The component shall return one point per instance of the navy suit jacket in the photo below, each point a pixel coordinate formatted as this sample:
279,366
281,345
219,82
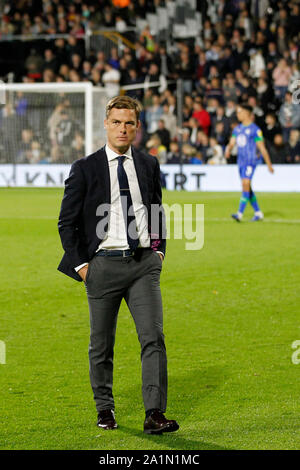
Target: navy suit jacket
86,188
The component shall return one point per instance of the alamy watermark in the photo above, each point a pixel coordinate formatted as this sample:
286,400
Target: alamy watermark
2,352
187,222
296,354
295,90
2,93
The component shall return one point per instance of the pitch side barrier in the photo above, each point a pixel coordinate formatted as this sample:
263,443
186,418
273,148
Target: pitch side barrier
286,178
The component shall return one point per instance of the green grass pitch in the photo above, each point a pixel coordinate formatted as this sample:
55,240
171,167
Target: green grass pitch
231,314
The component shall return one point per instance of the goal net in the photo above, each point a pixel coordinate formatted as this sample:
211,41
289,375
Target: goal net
54,123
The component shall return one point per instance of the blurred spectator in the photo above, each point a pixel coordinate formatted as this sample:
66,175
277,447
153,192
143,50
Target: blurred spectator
193,125
173,156
169,120
289,116
77,145
201,115
257,63
50,60
25,146
215,153
163,134
219,117
294,147
34,65
279,151
156,148
36,154
153,115
281,76
111,81
197,158
10,128
270,128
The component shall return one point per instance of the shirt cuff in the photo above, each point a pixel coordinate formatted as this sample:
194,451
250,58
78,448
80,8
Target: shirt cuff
80,266
161,253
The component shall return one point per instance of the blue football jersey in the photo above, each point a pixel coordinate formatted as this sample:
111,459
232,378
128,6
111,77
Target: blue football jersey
246,138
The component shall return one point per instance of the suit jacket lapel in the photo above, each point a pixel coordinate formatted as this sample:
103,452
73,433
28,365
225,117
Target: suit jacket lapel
141,174
102,173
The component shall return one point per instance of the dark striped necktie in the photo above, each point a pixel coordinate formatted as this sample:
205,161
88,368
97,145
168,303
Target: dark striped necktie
127,206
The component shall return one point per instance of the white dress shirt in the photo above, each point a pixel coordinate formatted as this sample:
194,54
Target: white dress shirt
116,236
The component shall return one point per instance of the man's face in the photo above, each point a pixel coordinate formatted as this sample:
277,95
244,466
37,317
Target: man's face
121,128
242,114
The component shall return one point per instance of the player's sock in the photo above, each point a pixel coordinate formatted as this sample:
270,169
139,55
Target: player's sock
254,202
243,201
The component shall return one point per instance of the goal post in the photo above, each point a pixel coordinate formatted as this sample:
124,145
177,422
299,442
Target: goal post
50,122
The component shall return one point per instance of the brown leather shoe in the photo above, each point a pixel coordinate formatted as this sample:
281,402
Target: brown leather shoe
157,423
106,420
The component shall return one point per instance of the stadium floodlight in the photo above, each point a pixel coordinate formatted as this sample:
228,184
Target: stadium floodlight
51,122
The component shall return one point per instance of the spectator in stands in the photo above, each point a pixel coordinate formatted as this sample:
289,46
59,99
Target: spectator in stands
220,117
50,60
202,145
114,58
289,116
111,81
184,69
173,157
76,63
21,103
152,76
281,40
215,153
60,51
279,151
169,120
294,147
265,94
196,158
65,134
220,134
34,65
153,115
231,92
201,115
36,154
270,128
163,134
193,125
281,76
155,147
134,79
257,63
48,76
77,145
10,128
25,146
87,70
164,61
64,71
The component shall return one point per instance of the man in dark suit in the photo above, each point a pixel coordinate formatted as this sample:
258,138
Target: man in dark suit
112,228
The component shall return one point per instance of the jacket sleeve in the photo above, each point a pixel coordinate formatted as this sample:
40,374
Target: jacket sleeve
70,212
158,225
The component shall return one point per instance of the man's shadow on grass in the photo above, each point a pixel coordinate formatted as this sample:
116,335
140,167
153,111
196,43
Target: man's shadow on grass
185,395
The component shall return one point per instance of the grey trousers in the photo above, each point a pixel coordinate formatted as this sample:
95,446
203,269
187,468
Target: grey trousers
137,280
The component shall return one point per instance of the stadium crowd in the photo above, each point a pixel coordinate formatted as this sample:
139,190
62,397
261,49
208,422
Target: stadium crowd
248,51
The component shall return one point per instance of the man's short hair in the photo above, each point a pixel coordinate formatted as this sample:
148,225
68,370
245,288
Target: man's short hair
247,107
124,102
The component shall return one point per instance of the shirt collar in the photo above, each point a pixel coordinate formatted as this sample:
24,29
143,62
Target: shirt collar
111,155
